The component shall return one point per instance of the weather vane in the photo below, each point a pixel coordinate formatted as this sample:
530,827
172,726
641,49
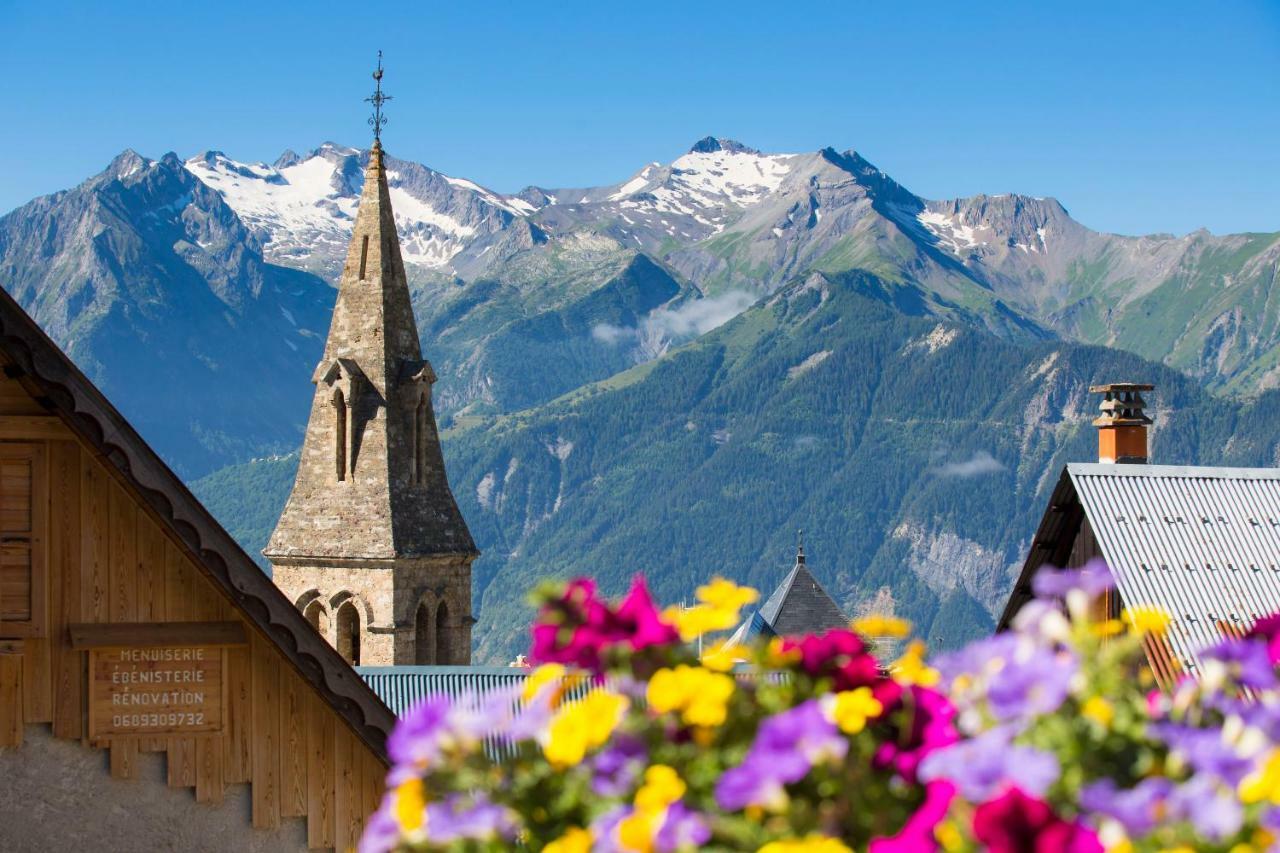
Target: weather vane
378,121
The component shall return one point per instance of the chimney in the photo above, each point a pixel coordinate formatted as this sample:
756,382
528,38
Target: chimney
1122,426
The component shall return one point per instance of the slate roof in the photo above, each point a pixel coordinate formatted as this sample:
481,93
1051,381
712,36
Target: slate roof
800,605
44,370
1202,543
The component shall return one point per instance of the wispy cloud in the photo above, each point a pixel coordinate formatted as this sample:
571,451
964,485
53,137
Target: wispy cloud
663,327
981,462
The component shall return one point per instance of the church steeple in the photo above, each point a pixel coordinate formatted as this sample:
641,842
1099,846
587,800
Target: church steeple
371,510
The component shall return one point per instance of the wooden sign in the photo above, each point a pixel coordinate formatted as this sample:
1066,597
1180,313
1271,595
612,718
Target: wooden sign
157,679
155,690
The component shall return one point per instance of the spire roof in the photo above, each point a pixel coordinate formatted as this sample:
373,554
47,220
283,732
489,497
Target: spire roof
371,482
799,605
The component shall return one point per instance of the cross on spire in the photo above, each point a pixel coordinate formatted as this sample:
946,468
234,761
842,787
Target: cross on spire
800,545
377,121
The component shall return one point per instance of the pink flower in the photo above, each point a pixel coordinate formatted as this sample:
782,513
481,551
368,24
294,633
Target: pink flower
917,833
579,627
1268,629
640,621
1017,823
925,719
838,654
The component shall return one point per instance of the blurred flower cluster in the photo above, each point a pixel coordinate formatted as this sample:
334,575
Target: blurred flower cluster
1049,737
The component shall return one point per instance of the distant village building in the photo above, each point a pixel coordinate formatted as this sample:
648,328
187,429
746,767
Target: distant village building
1201,543
371,545
144,657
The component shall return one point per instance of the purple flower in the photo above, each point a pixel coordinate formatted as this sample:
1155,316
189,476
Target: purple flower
980,768
803,729
418,738
1212,809
1247,660
755,782
453,819
615,769
977,657
1093,580
382,832
1205,750
786,747
1032,682
682,829
1137,809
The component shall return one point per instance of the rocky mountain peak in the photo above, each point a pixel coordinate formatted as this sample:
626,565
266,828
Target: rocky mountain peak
712,144
127,162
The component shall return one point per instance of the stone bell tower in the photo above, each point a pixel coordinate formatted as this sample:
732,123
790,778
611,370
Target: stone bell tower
371,545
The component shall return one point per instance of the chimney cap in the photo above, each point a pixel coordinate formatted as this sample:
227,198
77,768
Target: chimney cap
1122,404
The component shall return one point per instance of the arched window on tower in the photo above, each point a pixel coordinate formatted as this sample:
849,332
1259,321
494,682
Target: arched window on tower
348,625
420,441
424,651
444,649
340,434
318,617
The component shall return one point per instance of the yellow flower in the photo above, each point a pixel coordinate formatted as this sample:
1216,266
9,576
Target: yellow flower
727,595
948,836
911,668
1263,783
662,787
1145,619
693,622
1124,845
541,677
409,806
582,726
574,840
876,625
719,658
809,844
636,831
700,695
1107,628
717,610
1099,710
850,709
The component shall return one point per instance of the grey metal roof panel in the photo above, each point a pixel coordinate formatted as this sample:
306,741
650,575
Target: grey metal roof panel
400,687
1194,471
1202,543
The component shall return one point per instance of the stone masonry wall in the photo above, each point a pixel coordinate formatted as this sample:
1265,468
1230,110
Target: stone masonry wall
387,599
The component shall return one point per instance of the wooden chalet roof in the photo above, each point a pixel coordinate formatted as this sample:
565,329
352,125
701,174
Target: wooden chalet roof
58,385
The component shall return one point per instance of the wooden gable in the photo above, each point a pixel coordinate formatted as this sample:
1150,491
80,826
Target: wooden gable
83,543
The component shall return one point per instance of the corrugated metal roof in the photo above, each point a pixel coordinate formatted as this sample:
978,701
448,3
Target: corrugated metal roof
400,687
1202,543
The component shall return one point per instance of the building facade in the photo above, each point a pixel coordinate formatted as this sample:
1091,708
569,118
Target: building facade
371,546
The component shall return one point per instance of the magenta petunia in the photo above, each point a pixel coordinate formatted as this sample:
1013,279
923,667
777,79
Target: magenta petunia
917,834
1017,823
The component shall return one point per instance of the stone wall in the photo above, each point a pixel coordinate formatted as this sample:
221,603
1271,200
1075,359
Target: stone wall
58,795
387,596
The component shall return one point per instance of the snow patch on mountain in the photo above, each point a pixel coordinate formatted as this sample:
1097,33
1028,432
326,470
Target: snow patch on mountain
953,234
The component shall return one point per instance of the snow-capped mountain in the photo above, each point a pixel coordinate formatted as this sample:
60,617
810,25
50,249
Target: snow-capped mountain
302,207
156,288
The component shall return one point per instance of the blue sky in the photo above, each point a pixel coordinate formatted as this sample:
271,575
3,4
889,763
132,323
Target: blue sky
1150,117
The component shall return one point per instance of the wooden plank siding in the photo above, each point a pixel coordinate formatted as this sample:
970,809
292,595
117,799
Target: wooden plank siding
109,559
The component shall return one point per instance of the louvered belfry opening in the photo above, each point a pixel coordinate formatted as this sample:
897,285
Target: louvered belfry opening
1122,426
